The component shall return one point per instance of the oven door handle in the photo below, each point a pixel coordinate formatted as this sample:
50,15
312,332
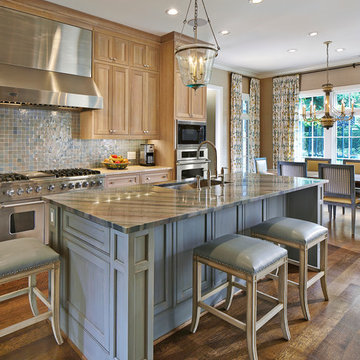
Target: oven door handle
22,204
193,162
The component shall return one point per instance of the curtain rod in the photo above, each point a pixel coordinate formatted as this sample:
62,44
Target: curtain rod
321,70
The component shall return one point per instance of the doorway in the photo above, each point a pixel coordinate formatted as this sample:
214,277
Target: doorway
215,129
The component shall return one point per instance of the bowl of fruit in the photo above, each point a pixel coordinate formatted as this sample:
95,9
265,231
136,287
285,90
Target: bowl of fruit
116,162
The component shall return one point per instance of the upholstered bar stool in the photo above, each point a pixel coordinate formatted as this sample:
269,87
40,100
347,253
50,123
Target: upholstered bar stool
301,235
28,257
251,260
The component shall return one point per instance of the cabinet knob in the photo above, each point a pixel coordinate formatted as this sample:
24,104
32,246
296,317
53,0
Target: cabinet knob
114,59
148,179
164,176
146,65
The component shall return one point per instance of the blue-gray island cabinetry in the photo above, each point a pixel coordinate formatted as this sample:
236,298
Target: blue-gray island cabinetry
127,253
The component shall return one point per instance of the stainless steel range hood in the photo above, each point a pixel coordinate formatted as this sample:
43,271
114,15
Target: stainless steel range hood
44,62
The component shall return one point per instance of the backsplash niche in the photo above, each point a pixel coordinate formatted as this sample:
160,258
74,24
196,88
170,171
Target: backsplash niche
38,139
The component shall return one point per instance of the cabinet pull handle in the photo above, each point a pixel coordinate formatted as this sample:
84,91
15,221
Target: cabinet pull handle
164,176
114,59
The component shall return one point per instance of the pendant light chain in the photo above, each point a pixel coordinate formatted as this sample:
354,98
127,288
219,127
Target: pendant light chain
195,20
185,22
211,28
327,62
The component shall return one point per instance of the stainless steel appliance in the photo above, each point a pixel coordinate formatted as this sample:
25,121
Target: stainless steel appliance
22,211
147,154
188,165
45,62
190,133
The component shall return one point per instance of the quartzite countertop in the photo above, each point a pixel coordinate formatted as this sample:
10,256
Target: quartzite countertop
133,169
139,207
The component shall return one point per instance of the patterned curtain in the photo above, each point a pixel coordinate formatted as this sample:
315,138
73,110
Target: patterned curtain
236,153
254,122
285,113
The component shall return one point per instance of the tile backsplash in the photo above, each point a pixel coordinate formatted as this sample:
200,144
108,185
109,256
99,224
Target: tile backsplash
37,139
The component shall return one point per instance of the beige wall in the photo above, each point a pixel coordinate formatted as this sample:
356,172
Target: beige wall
313,81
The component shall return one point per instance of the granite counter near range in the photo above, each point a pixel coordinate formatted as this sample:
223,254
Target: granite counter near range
127,253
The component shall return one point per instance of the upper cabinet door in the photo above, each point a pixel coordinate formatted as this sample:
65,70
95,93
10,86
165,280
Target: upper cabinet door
138,55
120,101
153,103
137,102
198,103
153,58
103,79
120,51
102,46
182,98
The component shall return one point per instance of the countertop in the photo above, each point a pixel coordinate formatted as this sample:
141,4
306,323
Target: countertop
142,206
131,169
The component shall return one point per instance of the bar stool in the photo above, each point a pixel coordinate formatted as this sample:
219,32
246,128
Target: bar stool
302,235
28,257
251,260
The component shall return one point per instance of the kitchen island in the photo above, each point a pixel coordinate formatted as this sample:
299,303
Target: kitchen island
127,253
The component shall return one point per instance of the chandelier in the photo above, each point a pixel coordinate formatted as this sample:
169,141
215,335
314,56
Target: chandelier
196,60
331,113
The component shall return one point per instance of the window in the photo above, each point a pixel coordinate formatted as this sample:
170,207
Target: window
311,135
245,130
338,143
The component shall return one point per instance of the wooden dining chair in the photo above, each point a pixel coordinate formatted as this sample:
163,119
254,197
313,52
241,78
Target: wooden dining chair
261,165
313,163
291,168
340,190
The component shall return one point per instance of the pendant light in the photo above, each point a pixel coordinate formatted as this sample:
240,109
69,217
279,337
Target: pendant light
196,60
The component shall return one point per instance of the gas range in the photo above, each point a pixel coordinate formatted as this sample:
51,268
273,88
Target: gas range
29,185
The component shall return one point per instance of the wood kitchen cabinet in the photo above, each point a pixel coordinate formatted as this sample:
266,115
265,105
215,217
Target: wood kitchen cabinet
144,56
189,104
111,49
144,103
113,119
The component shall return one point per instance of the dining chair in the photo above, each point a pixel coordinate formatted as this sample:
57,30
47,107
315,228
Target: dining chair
356,164
313,163
291,168
261,165
340,190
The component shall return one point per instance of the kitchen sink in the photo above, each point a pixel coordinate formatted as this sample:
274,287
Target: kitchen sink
189,185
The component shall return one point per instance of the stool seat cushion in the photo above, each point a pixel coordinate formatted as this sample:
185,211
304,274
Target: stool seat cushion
289,229
241,253
24,254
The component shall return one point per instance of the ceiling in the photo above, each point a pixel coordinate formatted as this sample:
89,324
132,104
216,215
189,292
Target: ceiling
260,35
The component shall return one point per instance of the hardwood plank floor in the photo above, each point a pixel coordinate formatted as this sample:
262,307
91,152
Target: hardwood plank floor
333,332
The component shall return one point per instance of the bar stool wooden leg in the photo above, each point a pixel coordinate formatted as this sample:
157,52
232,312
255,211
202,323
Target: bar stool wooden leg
282,296
55,303
229,292
32,296
251,287
196,296
303,277
323,267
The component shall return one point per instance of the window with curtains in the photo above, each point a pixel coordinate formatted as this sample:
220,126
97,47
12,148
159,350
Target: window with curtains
338,143
245,130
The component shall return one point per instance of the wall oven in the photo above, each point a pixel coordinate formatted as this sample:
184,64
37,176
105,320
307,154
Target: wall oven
188,166
190,133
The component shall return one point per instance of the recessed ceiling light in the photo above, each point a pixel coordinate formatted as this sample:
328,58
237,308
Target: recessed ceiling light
340,49
313,33
224,32
292,50
172,11
255,1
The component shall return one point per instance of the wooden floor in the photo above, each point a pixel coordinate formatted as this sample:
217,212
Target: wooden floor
333,332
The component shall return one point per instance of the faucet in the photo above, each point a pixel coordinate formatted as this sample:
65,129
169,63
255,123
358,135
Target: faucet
213,146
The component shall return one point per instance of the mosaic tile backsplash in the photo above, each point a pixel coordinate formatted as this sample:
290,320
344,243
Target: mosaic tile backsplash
38,139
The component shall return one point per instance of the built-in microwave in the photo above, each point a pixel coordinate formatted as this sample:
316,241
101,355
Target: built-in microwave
190,133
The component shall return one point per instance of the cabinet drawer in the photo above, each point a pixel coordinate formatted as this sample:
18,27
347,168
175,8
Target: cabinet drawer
154,177
121,180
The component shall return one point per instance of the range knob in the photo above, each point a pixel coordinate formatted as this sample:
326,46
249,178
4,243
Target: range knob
38,189
29,190
100,182
51,187
71,186
78,185
10,192
85,184
20,191
92,183
63,186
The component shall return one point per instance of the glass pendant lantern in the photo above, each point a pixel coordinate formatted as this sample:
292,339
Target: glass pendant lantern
196,60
